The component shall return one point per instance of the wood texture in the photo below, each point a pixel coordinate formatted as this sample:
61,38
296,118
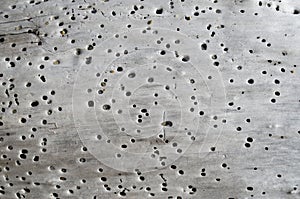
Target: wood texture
149,99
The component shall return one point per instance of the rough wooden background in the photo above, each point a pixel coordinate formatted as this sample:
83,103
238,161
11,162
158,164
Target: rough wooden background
149,99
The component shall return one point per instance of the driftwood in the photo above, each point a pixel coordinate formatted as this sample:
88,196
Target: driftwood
137,99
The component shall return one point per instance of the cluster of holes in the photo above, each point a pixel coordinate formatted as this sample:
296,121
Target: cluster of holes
46,100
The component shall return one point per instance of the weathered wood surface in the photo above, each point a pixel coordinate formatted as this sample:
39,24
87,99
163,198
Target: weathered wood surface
138,99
